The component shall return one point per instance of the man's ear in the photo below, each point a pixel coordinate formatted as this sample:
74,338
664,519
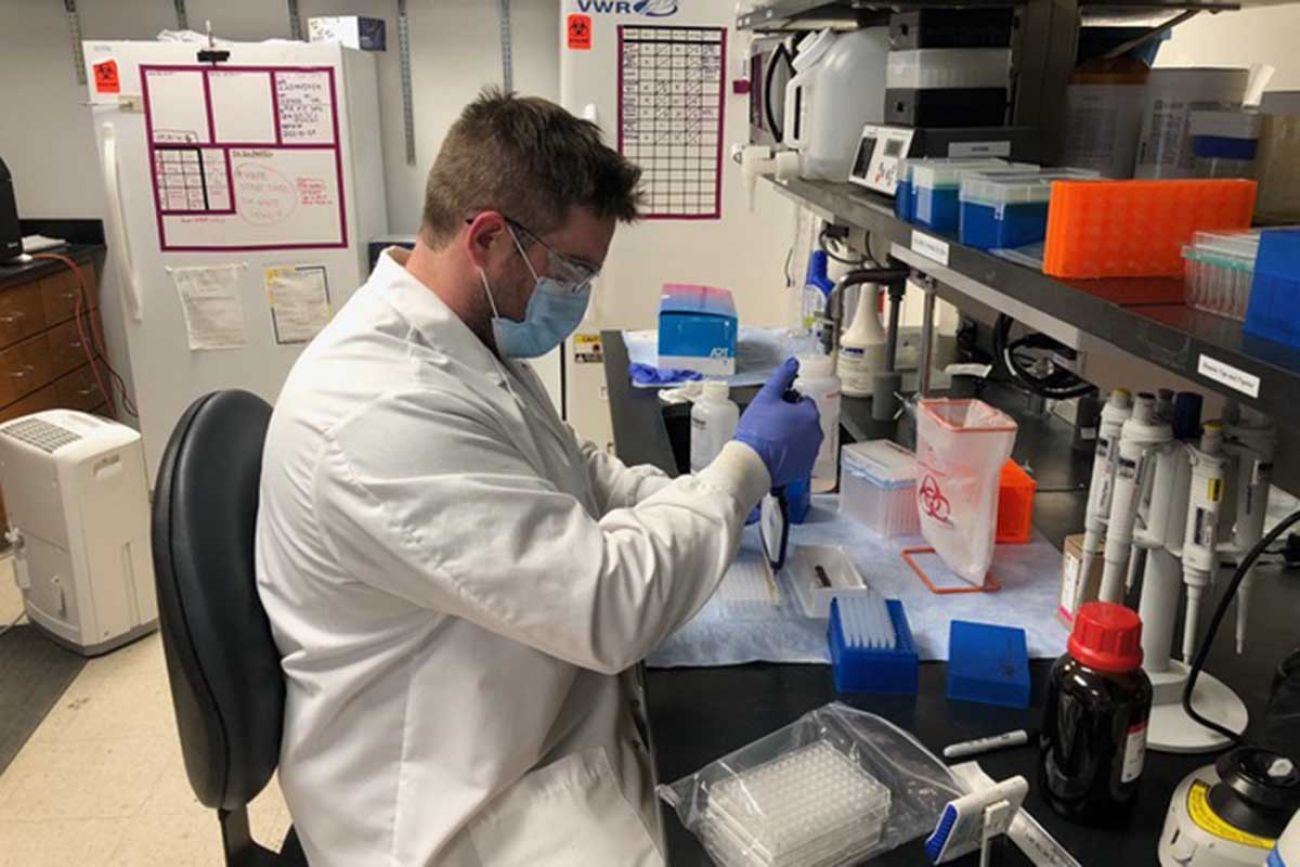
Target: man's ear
483,232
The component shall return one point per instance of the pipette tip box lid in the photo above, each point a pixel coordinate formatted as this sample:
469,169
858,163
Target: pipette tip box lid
893,670
988,664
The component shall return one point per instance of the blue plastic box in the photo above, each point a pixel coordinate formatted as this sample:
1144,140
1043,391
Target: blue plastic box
988,664
1274,310
936,186
903,199
859,669
697,329
1002,211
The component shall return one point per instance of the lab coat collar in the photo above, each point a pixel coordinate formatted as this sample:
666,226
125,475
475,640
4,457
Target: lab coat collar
420,306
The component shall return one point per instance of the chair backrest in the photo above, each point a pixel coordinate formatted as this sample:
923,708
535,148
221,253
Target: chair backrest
223,666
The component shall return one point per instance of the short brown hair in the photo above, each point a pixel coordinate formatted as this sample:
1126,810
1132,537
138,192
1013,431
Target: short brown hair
531,160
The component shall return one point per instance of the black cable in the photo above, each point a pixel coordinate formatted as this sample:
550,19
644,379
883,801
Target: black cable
1221,611
775,128
1059,384
821,245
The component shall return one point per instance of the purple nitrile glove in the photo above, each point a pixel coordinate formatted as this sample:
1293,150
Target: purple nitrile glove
785,430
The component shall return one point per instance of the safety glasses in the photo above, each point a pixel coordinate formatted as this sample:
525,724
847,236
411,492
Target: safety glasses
565,269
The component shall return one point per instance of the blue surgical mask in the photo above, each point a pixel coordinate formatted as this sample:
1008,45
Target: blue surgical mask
554,311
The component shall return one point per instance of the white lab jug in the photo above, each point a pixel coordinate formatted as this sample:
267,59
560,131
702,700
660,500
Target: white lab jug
961,446
838,86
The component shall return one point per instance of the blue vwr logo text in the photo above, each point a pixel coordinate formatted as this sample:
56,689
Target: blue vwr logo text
649,8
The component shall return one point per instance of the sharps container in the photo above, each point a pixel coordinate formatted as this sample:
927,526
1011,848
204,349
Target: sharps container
1094,734
961,446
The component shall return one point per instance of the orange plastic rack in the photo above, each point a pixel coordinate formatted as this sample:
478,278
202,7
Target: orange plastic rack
1137,228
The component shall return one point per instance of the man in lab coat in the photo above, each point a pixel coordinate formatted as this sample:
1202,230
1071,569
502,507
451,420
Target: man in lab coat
460,588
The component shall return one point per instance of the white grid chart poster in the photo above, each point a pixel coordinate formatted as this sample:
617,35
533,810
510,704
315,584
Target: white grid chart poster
670,116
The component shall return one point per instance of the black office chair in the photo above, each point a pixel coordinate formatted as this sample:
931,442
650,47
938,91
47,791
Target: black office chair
224,669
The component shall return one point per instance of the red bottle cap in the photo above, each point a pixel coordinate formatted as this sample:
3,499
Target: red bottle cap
1107,637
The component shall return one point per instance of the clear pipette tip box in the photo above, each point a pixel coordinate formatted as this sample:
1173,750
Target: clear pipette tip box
859,668
809,807
878,487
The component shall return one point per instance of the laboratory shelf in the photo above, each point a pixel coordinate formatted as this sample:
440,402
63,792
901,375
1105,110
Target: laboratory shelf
1144,317
811,14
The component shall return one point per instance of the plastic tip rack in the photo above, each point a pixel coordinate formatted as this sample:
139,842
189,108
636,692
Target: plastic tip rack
1137,228
863,656
811,807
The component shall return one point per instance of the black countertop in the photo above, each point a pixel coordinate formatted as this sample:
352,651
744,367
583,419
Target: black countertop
700,714
16,273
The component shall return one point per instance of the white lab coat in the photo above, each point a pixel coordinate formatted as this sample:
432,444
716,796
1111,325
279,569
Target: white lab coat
460,591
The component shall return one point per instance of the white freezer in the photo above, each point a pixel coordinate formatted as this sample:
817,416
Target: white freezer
269,159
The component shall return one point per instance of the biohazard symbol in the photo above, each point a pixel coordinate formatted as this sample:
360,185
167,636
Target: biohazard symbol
932,499
579,32
106,78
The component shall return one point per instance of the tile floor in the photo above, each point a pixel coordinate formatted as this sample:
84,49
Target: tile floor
101,782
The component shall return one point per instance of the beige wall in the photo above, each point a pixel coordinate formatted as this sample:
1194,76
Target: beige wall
1264,35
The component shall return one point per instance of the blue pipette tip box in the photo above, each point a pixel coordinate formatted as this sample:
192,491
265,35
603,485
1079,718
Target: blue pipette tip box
988,664
862,669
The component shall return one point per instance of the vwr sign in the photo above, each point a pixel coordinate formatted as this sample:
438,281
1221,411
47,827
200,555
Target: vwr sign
648,8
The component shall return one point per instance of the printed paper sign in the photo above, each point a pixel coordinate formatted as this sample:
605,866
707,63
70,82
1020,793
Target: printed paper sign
300,302
214,314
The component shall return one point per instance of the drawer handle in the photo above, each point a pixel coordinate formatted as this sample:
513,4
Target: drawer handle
68,295
28,370
11,318
85,392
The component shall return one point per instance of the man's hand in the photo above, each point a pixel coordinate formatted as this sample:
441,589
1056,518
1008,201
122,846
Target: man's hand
784,428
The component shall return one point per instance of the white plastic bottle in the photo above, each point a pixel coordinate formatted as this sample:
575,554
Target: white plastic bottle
862,347
838,85
713,423
817,380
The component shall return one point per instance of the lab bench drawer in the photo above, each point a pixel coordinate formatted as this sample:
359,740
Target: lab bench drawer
79,390
67,351
22,313
59,294
25,367
37,401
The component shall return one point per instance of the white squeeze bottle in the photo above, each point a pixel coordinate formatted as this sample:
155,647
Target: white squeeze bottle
713,423
817,380
862,346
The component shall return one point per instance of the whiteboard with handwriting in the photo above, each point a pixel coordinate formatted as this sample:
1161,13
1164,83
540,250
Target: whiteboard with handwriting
245,157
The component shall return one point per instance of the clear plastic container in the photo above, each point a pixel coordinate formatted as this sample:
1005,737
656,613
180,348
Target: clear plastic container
811,806
820,573
936,186
961,446
948,67
1220,268
1000,211
878,487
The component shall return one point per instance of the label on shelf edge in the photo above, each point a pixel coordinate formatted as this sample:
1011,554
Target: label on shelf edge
1225,374
929,247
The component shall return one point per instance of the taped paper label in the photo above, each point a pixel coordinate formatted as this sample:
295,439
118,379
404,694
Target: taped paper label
930,247
1225,374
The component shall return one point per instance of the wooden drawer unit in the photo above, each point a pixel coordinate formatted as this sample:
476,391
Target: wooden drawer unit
22,312
78,390
59,294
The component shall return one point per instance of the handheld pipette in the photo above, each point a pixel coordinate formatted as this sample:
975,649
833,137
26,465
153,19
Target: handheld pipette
1117,411
1252,442
1142,438
1200,533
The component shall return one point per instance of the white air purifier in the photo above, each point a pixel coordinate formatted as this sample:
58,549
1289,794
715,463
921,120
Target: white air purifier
78,503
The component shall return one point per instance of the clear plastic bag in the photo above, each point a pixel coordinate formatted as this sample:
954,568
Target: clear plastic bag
961,446
833,788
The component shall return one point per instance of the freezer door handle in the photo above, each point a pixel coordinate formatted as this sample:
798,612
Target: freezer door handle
118,241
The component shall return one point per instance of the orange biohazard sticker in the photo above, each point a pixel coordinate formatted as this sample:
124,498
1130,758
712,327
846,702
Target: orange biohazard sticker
106,78
579,32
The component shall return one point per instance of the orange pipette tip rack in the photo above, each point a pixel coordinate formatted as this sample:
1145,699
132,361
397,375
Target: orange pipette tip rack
1137,228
